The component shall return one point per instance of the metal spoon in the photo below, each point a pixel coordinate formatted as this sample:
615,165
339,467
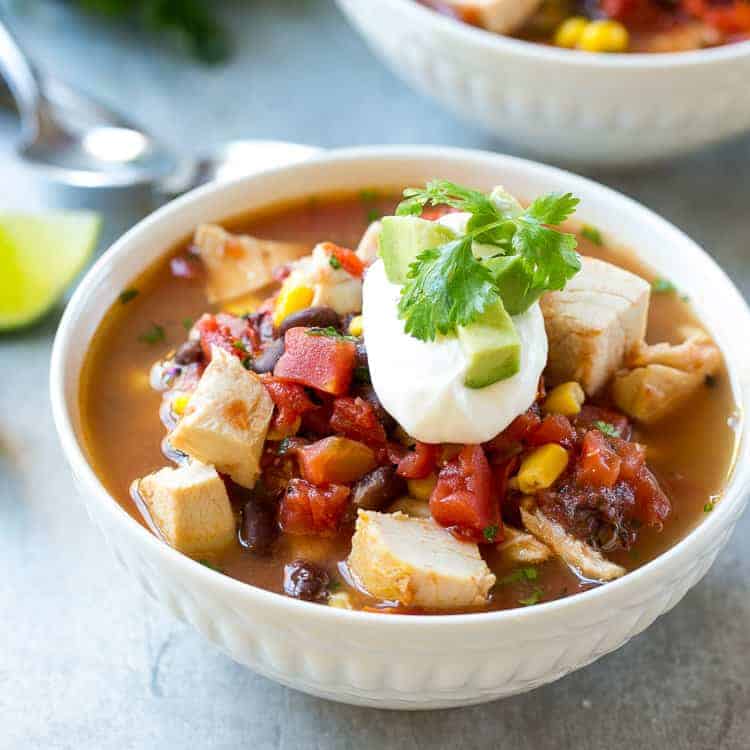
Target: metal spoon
81,142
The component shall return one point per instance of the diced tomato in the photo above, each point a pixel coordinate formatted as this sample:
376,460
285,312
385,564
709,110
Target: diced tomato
420,462
517,431
319,361
590,415
645,15
307,509
290,400
229,332
318,420
462,499
633,456
555,428
395,452
729,16
348,259
433,213
356,418
335,460
598,465
652,505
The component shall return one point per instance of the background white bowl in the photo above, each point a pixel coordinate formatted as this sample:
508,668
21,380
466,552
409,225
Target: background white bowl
400,661
559,104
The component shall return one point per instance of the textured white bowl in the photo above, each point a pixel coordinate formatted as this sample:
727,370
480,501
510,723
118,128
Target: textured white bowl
400,661
560,104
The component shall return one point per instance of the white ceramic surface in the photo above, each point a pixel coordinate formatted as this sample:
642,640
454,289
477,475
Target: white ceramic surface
399,661
563,105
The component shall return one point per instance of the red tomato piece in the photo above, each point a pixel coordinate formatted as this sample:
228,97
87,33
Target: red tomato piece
730,16
433,213
590,415
633,456
516,432
420,462
462,499
290,400
652,505
318,361
347,259
554,428
645,15
307,509
335,460
598,465
356,418
228,332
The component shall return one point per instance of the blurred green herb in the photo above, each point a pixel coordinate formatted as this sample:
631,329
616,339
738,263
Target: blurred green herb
191,23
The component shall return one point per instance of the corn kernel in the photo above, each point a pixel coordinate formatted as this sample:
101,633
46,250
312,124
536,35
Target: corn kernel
422,488
180,402
291,299
604,36
569,32
340,600
541,468
567,399
248,303
355,326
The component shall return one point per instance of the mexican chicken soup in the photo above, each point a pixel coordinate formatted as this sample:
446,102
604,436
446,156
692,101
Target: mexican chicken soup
438,403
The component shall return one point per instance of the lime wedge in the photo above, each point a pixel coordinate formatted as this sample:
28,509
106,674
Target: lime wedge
39,256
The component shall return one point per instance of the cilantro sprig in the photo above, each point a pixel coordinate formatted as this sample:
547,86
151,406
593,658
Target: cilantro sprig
448,286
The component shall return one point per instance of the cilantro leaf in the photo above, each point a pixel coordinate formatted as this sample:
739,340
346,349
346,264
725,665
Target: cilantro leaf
663,286
446,287
153,335
532,599
608,429
490,532
553,208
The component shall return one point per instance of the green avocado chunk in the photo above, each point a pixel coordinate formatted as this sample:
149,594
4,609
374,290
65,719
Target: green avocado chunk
492,347
402,238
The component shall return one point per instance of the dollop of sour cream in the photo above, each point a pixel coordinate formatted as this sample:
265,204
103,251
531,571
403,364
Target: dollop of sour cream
421,383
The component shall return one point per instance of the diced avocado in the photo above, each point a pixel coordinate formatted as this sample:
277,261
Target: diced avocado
506,202
402,238
491,346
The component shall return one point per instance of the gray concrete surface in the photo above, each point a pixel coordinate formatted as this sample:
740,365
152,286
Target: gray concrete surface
87,662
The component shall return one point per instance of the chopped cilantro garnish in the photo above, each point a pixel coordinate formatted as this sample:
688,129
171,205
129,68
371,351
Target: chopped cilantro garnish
126,295
153,335
608,429
373,215
211,565
329,332
519,575
490,532
592,233
334,586
448,286
334,262
368,195
283,446
240,346
708,507
187,323
533,598
663,286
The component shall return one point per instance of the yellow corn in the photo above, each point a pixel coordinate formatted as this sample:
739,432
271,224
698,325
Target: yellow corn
569,32
291,299
566,399
422,488
248,303
340,600
355,326
604,36
541,467
180,402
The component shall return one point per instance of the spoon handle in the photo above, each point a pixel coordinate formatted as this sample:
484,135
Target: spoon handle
20,76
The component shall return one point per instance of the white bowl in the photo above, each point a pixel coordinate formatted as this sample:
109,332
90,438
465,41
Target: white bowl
560,104
400,661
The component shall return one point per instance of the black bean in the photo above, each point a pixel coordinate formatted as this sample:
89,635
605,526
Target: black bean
305,580
378,488
361,355
189,352
312,317
259,529
266,361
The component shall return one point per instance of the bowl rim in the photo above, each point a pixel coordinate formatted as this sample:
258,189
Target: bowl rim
738,483
492,41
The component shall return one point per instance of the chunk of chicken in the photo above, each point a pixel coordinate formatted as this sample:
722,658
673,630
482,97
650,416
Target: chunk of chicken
368,249
226,419
664,376
238,264
332,287
594,323
189,507
417,563
588,561
502,16
521,548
